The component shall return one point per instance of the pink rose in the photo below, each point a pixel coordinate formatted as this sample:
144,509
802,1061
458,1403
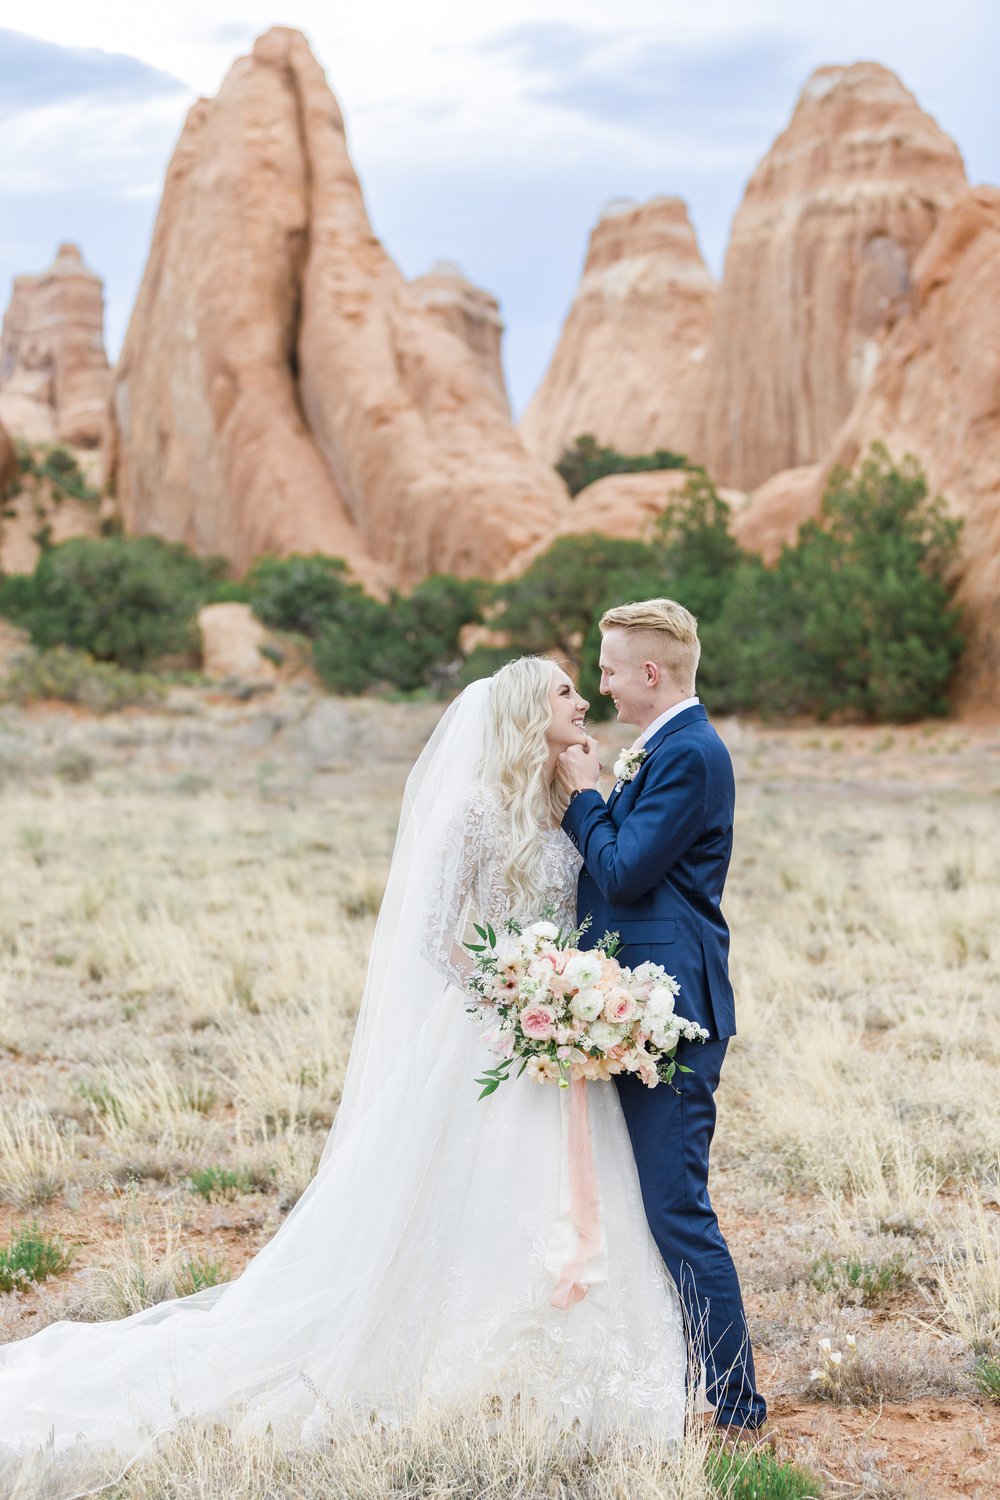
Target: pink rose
538,1022
620,1007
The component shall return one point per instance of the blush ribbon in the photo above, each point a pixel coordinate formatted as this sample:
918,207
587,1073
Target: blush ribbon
577,1244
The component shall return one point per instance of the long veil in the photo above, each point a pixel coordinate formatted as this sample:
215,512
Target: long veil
292,1336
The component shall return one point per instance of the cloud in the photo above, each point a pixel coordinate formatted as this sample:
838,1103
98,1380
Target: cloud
85,137
707,92
35,73
73,115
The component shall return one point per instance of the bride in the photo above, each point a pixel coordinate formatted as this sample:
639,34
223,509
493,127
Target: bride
423,1264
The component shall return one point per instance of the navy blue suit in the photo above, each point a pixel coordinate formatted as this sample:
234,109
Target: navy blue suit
655,862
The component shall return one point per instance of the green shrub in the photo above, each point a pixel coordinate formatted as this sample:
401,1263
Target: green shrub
304,593
733,1473
74,677
31,1255
554,603
222,1183
197,1274
856,618
872,1283
987,1377
404,643
586,461
122,599
59,467
557,603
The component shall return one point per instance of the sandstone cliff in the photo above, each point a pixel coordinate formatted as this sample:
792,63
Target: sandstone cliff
282,388
819,267
630,363
54,376
936,393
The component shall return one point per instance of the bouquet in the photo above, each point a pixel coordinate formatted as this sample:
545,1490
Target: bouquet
565,1013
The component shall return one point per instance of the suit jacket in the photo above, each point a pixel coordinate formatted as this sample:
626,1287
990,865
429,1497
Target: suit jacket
655,862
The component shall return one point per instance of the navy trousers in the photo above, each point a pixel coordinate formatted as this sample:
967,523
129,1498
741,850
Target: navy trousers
671,1135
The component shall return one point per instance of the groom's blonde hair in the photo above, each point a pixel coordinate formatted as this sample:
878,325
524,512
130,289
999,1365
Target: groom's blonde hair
663,631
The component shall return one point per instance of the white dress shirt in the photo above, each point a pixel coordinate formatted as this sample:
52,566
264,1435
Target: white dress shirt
671,713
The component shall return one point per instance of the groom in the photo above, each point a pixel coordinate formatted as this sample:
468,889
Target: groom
654,865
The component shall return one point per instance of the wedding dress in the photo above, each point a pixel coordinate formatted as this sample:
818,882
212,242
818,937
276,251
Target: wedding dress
417,1269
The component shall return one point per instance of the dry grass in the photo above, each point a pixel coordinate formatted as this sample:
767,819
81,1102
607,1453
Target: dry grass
478,1454
182,946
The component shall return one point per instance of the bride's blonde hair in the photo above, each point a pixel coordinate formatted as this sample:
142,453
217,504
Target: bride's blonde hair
514,761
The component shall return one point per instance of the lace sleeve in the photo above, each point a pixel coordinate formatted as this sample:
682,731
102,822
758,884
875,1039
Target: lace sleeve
461,890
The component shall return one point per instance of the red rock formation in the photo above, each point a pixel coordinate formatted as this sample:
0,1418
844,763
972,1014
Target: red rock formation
819,266
54,376
282,388
774,512
936,393
630,364
232,639
470,312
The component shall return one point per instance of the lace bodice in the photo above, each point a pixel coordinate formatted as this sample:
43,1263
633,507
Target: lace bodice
468,884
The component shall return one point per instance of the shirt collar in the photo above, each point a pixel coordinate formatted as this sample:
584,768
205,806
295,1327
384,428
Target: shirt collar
671,713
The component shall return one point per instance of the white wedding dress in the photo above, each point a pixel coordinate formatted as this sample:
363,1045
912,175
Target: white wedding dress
417,1269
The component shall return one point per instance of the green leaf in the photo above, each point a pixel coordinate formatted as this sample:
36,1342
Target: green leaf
682,1069
491,936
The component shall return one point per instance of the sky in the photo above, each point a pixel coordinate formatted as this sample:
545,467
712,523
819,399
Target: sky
489,134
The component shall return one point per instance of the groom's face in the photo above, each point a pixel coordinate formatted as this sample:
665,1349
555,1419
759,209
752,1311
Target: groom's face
623,679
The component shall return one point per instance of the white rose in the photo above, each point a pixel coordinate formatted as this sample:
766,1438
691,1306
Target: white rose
587,1005
544,930
604,1035
582,970
660,1004
620,770
665,1040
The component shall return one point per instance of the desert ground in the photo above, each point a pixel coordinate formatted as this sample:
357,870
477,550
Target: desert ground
188,897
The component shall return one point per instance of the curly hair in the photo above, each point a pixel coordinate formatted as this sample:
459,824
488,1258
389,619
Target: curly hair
514,760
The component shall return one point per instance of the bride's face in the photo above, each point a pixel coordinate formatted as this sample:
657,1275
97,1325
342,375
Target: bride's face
568,708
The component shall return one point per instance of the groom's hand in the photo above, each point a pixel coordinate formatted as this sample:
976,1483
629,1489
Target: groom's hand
578,768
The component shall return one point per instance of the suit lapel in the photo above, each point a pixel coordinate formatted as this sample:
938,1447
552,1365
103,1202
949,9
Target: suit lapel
690,716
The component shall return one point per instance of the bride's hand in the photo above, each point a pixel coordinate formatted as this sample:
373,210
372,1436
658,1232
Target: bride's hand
578,768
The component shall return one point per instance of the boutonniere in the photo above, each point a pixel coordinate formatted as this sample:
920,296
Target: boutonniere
626,766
